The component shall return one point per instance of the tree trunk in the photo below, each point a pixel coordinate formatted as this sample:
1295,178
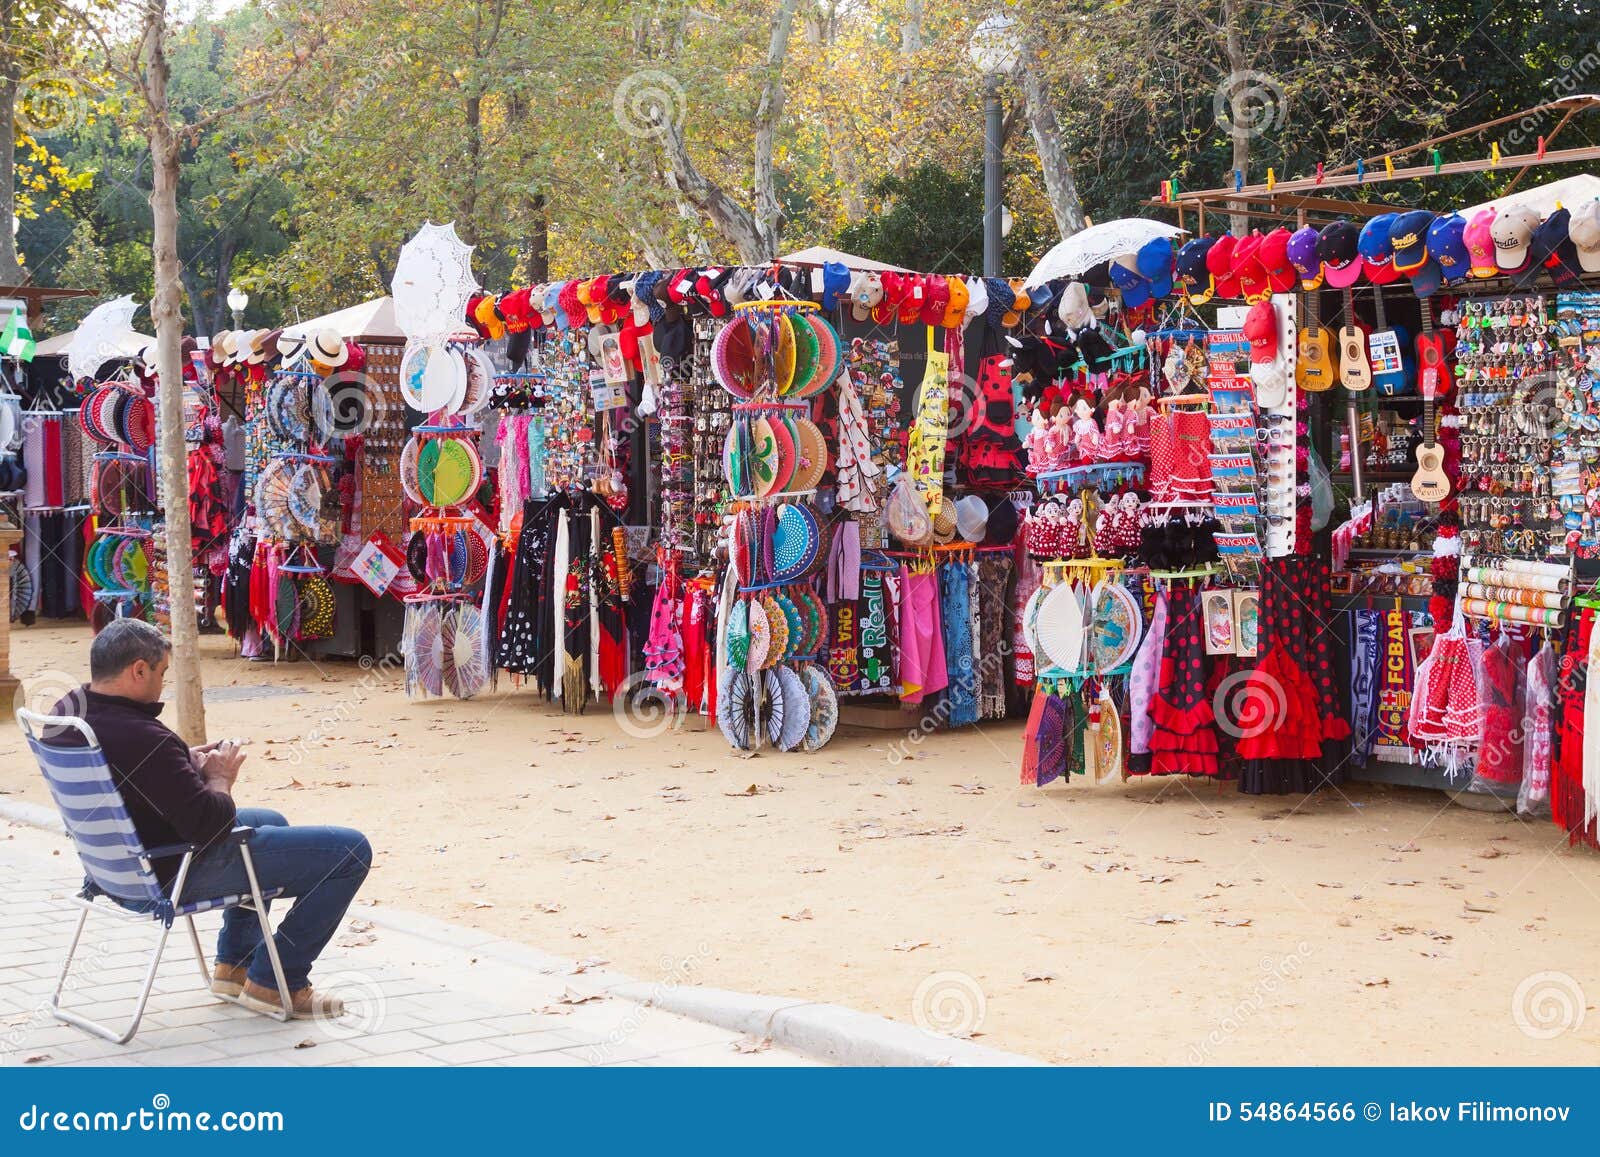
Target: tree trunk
1059,182
538,239
11,271
165,309
1238,65
768,112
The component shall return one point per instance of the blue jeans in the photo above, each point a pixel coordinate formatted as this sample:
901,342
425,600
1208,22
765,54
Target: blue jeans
321,867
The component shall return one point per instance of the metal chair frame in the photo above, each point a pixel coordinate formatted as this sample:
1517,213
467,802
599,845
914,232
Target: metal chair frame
32,725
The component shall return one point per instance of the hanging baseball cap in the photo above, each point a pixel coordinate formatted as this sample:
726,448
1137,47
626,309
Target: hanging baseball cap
1247,268
866,295
1219,260
1261,329
1408,236
1480,244
1074,309
1302,253
1584,232
1552,250
1193,275
1274,258
1154,259
911,303
835,284
1426,278
1135,290
1377,254
977,299
934,300
1341,259
955,310
1447,246
1512,230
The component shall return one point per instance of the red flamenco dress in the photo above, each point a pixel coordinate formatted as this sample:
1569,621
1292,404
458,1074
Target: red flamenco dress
1184,738
1287,713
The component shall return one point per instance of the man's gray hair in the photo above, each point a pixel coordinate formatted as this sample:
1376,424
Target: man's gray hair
121,644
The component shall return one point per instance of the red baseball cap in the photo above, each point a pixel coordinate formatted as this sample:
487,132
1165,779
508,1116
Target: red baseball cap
934,301
1247,268
1274,258
911,303
894,292
517,308
1261,328
1219,261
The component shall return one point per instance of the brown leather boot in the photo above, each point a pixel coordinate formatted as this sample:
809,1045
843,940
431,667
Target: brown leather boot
305,1003
228,979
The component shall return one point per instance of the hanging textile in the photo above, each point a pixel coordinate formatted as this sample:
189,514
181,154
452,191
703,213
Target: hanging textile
955,613
1366,669
1183,740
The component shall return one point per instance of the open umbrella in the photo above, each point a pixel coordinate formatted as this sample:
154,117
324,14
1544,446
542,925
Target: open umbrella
103,335
432,282
1089,247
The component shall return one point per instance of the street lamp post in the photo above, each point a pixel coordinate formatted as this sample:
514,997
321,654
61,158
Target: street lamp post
237,300
994,50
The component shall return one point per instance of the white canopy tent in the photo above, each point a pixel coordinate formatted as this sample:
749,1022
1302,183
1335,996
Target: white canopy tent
1543,199
370,321
127,346
822,255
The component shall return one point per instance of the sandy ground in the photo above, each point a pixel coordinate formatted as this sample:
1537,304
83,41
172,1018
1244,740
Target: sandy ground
1159,922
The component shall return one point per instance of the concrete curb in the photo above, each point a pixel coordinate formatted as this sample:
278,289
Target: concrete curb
828,1032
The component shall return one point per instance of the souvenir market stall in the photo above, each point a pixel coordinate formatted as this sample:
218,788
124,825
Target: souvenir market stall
1445,362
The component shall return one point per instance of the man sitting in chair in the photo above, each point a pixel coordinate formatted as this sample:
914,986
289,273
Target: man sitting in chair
177,794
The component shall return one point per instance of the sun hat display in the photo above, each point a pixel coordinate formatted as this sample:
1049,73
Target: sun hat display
327,348
972,518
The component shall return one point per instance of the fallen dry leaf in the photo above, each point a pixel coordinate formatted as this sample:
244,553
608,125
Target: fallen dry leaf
1155,879
1476,906
357,940
803,914
573,996
1041,977
911,945
968,788
587,963
36,1059
1232,921
308,1043
1375,982
548,906
1163,918
752,1044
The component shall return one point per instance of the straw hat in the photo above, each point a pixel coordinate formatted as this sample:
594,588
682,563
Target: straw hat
327,348
291,348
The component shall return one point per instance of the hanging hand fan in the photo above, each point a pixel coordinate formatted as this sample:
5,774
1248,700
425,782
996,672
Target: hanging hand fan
783,354
1116,627
1110,751
316,608
1061,627
21,590
736,708
795,722
760,636
449,471
807,356
830,350
273,488
777,631
735,360
425,662
408,471
305,497
824,707
466,665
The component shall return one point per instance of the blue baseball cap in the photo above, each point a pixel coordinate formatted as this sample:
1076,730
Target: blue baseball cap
1426,278
1135,289
835,284
1409,236
1154,259
1447,246
1377,254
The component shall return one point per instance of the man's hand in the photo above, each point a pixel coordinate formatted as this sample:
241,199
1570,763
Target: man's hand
219,763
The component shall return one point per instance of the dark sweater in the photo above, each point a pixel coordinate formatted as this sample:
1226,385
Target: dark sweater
165,794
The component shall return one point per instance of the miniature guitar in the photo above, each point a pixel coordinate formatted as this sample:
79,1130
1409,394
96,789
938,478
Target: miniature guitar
1393,370
1355,370
1313,371
1430,483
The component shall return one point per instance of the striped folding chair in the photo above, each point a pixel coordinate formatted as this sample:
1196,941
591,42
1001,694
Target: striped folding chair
117,865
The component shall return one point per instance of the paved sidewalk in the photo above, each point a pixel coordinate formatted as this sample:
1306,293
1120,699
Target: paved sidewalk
410,999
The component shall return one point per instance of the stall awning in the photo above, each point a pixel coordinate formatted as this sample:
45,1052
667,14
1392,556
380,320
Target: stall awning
370,321
1543,199
822,255
56,347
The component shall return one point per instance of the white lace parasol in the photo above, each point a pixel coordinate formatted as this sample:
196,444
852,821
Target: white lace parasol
432,282
104,334
1088,248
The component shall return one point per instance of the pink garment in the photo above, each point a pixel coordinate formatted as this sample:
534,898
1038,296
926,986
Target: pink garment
922,666
1145,677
